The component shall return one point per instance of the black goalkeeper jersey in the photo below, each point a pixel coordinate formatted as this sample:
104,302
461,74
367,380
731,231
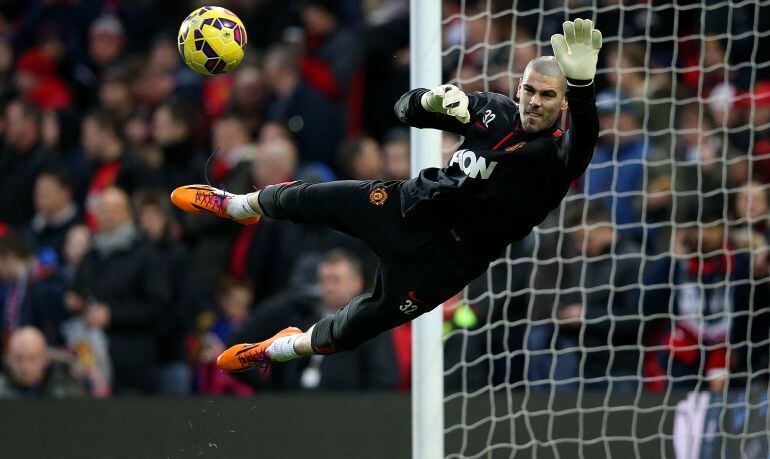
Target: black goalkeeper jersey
502,182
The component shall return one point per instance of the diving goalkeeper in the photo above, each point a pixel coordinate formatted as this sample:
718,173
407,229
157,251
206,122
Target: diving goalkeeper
436,232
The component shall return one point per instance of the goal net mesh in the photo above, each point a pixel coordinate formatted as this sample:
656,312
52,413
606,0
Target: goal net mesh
634,320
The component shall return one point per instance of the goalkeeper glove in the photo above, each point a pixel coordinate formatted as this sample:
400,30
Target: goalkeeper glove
448,100
578,49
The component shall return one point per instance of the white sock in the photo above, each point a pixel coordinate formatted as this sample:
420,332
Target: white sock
239,207
282,349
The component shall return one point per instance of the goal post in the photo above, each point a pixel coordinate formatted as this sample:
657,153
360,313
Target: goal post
427,343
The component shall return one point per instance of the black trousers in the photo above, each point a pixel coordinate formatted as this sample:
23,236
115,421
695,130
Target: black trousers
415,273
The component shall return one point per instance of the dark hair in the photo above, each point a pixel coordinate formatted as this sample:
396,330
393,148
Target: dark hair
60,175
151,197
331,6
227,283
29,110
16,245
180,112
595,213
349,150
396,134
343,256
105,120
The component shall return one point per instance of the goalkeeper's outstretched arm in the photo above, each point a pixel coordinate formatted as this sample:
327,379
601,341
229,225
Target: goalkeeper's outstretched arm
444,107
448,108
577,52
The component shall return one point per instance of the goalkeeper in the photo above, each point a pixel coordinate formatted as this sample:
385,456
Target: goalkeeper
440,230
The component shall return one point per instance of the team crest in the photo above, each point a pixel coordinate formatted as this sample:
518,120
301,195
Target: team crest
515,147
378,196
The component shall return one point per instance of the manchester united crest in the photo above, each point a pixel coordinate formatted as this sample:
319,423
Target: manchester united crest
515,147
378,196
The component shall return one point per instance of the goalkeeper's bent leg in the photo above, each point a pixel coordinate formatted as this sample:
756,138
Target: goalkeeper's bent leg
405,288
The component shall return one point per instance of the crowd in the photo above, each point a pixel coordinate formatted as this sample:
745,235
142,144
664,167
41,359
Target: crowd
654,273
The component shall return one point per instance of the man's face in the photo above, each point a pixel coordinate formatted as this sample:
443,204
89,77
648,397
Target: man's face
50,196
16,126
28,360
541,101
592,241
339,283
113,209
712,237
165,129
91,138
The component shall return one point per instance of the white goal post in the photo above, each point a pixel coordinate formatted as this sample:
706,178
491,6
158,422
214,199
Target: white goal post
427,343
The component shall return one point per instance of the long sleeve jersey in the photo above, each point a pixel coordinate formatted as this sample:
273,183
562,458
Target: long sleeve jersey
503,181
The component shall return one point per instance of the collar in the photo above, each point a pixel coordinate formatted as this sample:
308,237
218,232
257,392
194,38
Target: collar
107,243
40,221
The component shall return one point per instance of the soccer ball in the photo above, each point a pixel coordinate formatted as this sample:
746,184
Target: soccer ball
211,40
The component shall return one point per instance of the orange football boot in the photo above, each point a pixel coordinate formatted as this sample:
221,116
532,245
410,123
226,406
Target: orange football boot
206,200
247,355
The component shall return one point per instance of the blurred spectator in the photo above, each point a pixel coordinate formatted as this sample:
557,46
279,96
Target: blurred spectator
151,87
37,82
213,237
60,132
234,300
155,221
77,243
256,252
598,324
386,65
315,121
627,74
234,152
31,291
460,320
21,160
372,366
172,131
164,56
6,68
115,93
32,372
55,211
361,159
614,177
332,50
122,287
700,165
113,164
396,149
701,284
275,162
750,211
742,48
247,97
106,41
760,118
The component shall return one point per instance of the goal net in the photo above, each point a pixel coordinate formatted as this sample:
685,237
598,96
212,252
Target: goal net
634,321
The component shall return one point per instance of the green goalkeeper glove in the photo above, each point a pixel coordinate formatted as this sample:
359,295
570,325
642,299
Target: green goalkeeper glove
449,100
578,49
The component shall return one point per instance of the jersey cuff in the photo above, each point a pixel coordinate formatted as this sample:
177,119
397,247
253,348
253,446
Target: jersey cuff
579,83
